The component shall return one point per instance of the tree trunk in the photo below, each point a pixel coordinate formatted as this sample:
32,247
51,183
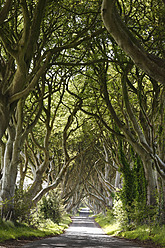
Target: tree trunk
163,203
4,114
11,160
10,164
117,180
107,171
151,180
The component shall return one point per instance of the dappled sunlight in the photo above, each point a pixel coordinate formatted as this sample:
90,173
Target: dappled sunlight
84,233
81,230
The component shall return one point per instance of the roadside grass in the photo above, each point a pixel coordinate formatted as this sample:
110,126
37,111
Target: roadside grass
108,223
144,233
155,234
10,231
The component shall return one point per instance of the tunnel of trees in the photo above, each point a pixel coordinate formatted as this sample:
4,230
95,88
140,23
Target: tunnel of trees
82,104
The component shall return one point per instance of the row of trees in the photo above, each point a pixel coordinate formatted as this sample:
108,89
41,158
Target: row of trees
82,108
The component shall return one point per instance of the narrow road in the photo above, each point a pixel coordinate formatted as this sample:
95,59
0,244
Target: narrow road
83,233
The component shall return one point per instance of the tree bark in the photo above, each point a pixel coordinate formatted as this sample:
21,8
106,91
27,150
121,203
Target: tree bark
5,11
11,161
150,64
140,145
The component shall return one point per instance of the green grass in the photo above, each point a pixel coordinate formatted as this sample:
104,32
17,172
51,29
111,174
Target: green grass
143,233
10,231
108,223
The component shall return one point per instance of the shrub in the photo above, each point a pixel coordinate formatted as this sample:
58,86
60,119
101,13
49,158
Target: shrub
119,212
131,215
130,206
22,207
51,207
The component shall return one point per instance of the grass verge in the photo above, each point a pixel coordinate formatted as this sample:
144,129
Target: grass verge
146,233
142,233
10,231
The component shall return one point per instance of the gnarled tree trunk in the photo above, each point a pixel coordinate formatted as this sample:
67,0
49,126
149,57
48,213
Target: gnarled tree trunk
11,161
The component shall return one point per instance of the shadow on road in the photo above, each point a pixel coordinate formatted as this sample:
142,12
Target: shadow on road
83,233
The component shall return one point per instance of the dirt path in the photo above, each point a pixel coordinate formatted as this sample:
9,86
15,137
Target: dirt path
82,233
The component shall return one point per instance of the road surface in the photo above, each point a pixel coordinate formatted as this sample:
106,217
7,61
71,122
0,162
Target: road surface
83,233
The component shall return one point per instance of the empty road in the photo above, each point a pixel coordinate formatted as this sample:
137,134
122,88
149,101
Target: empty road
83,233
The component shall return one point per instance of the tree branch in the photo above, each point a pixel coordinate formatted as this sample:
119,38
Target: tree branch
132,117
31,86
150,64
5,10
26,23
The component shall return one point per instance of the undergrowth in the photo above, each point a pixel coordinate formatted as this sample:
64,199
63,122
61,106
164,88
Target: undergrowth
143,232
9,230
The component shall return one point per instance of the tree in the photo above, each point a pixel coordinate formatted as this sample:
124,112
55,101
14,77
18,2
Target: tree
35,40
66,85
143,42
127,37
40,32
